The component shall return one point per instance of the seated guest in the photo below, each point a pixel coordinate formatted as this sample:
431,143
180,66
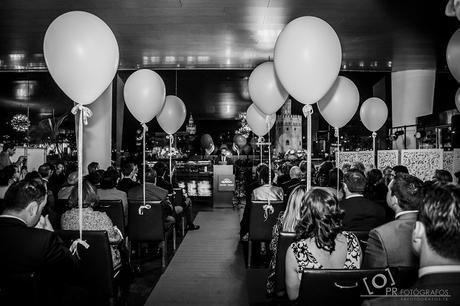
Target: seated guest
295,175
284,177
332,184
361,214
442,176
346,167
436,241
400,169
390,243
92,220
29,245
322,176
57,179
8,150
287,221
8,176
267,191
108,190
359,166
186,203
376,191
66,189
388,175
128,177
321,242
154,193
249,188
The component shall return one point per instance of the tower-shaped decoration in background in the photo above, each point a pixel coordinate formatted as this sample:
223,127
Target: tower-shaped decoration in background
191,126
288,130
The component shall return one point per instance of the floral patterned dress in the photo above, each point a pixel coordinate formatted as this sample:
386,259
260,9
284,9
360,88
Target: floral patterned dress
306,260
277,228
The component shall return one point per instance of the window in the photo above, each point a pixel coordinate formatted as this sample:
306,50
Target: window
287,142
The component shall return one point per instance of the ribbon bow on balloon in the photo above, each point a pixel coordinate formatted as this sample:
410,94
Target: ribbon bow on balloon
74,247
268,210
85,111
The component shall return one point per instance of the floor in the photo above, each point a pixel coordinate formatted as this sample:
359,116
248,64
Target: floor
208,268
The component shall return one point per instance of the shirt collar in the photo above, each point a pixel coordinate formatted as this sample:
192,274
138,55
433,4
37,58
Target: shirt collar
13,217
405,213
438,269
354,195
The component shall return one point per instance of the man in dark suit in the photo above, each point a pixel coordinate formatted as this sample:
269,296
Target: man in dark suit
29,245
128,177
361,214
295,175
186,203
436,240
390,243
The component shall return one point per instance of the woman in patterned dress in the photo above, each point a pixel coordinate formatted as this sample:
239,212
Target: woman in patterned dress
321,243
92,220
287,221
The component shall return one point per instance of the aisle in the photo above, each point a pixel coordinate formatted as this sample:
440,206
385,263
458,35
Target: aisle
208,268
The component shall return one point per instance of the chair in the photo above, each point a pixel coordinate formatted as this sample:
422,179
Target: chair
146,225
284,241
260,229
348,287
96,267
362,238
177,201
114,209
13,286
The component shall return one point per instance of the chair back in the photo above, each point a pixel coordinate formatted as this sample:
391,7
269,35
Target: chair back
145,222
345,287
13,287
96,267
362,238
177,198
260,228
284,241
113,209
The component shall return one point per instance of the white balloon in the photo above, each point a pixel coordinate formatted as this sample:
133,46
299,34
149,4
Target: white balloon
257,120
172,115
340,103
457,99
373,113
144,94
265,89
81,54
307,58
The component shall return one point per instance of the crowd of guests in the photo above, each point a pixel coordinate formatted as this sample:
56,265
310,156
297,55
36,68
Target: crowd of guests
42,201
410,223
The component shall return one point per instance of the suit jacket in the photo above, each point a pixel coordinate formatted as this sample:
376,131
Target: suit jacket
152,193
362,214
444,281
267,192
290,184
27,249
126,184
390,244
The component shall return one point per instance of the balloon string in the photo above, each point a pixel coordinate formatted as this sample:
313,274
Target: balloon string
170,157
338,160
144,130
80,173
267,120
307,111
374,135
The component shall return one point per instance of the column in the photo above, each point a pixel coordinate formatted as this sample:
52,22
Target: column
412,96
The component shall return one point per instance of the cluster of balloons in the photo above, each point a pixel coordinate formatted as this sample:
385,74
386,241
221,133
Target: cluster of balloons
453,59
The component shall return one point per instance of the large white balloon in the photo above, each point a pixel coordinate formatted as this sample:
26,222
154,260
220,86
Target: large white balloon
144,94
257,120
457,99
81,54
265,89
173,114
307,58
340,103
373,113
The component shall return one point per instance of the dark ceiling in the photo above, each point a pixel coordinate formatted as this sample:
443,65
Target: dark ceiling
380,35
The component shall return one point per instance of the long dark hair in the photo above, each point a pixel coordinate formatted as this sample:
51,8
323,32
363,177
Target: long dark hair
321,219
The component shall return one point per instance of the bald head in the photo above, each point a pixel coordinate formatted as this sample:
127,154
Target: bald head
295,172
